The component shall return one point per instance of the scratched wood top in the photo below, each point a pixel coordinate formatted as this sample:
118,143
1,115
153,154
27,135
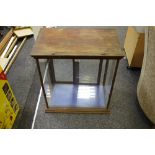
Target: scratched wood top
77,43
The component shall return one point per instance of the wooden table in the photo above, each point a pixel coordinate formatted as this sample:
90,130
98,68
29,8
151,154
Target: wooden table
78,43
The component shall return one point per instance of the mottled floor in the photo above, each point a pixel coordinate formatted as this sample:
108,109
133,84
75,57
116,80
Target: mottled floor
21,76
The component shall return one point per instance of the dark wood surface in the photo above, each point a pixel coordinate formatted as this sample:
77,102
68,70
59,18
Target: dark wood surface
78,110
77,43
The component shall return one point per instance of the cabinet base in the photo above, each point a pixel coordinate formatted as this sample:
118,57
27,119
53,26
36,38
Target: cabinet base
77,110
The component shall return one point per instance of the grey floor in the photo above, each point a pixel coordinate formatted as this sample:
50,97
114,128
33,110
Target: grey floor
125,111
21,78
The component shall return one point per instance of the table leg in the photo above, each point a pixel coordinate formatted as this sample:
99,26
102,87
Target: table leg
99,71
41,81
113,81
51,71
105,71
75,72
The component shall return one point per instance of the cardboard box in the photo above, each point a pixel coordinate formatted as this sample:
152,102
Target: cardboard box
134,47
9,107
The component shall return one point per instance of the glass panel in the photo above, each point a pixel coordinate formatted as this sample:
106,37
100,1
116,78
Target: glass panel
103,70
70,95
63,69
88,70
110,74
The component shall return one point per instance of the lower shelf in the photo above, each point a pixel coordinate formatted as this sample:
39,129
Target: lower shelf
76,98
77,110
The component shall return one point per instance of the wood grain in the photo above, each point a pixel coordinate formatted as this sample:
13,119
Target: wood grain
77,42
5,40
14,56
11,47
78,110
7,47
4,62
23,32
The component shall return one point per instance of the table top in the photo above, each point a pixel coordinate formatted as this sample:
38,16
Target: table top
77,43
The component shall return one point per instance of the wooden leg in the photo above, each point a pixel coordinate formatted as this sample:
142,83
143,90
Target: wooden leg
99,71
41,81
75,72
113,81
105,71
51,71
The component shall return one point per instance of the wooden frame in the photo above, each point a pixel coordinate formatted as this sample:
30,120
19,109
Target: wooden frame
105,110
5,40
44,47
9,47
78,110
14,56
